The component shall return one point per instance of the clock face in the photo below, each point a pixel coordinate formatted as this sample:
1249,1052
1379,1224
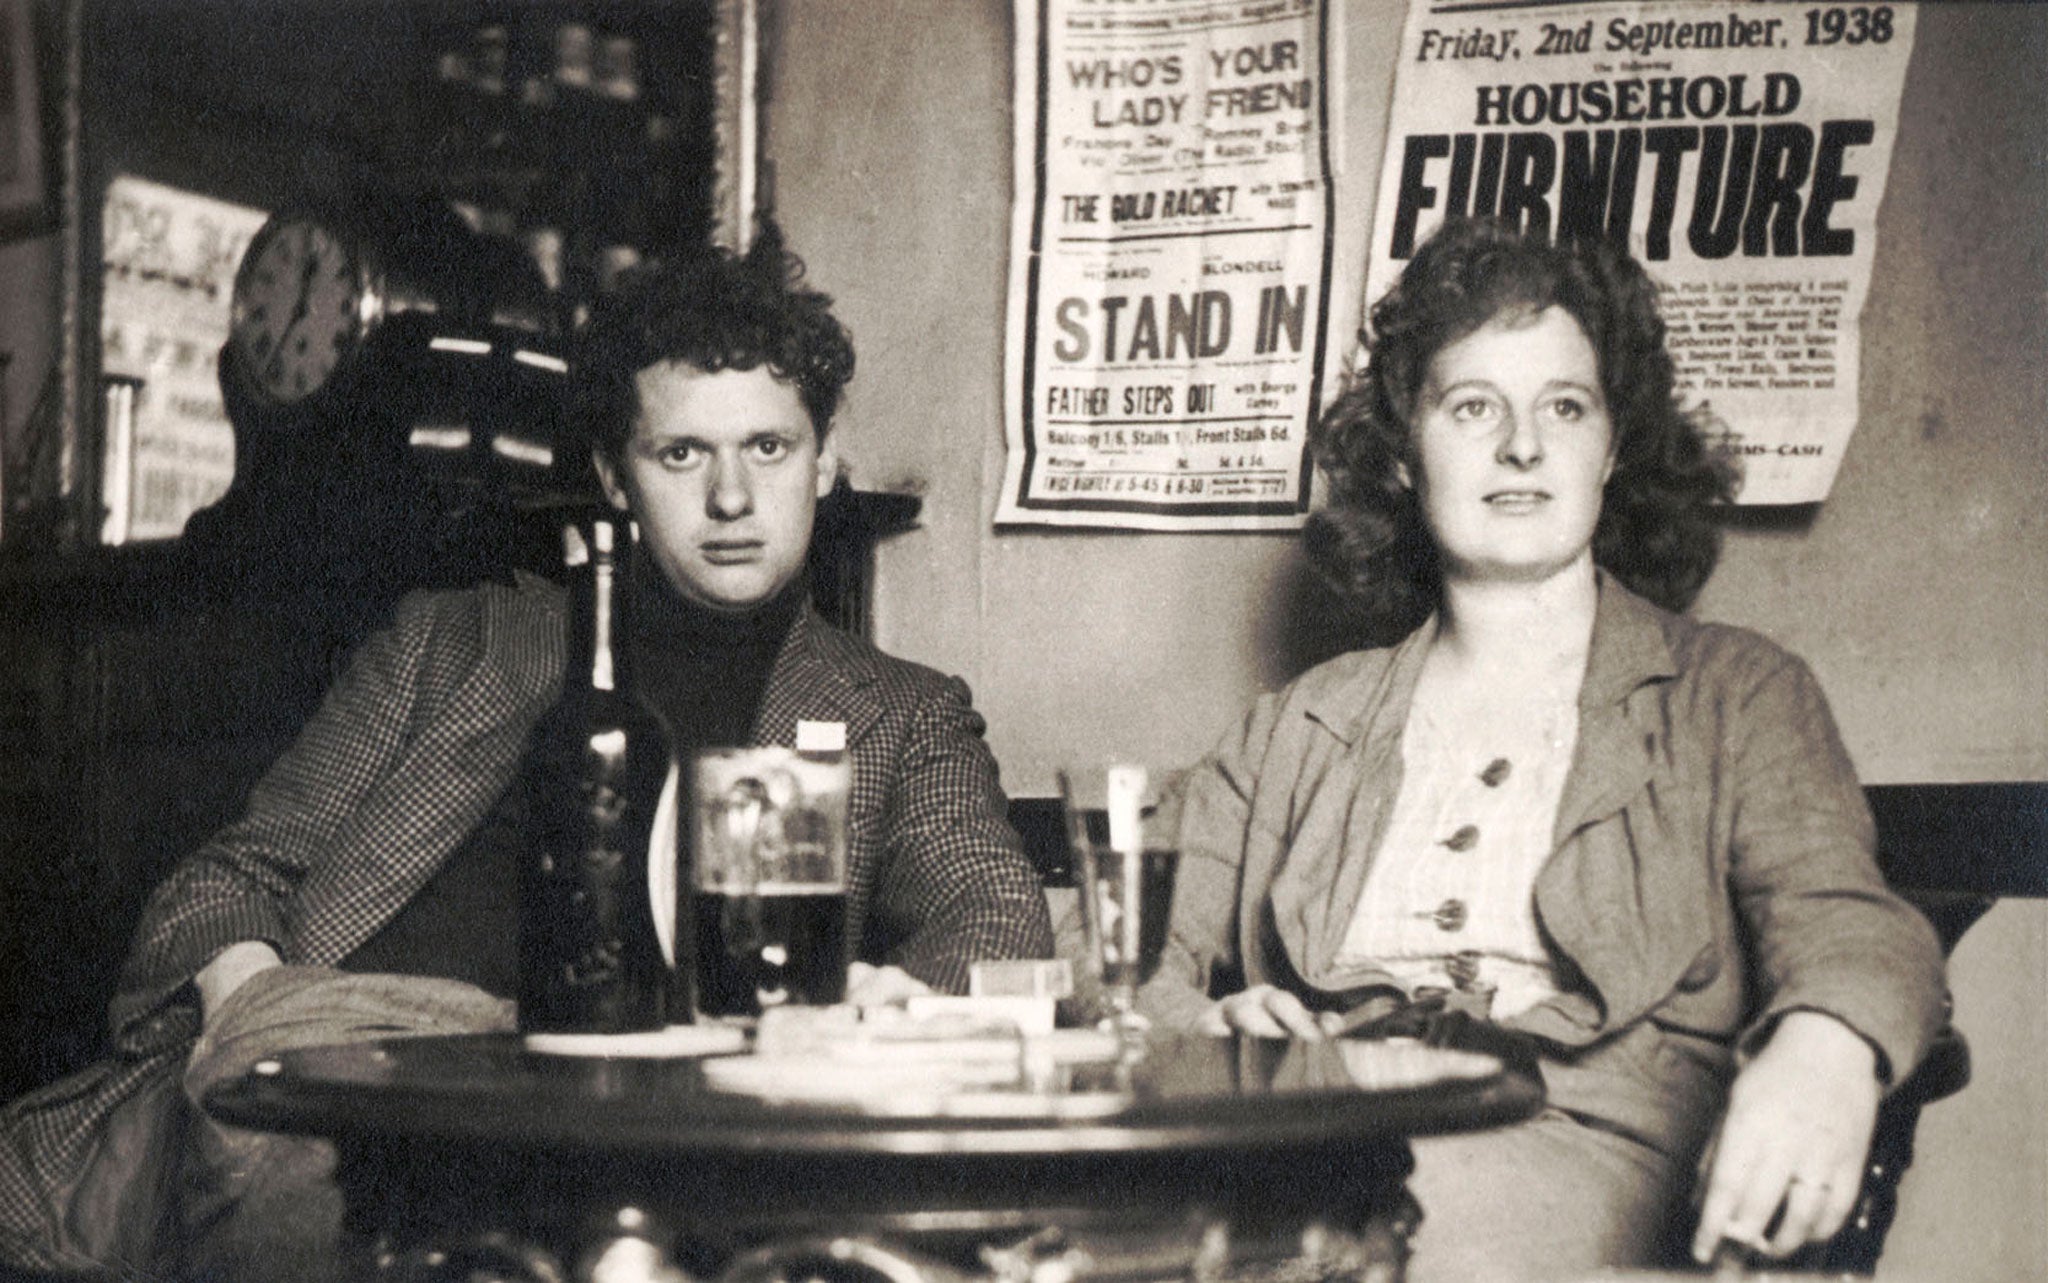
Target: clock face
298,308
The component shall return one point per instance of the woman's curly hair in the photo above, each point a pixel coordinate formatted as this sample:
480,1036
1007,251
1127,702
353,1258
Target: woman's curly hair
716,310
1656,532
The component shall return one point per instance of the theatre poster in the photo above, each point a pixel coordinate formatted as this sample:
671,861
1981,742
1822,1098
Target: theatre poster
1170,261
1740,150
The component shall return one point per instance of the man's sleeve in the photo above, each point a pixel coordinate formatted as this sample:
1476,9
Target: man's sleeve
956,876
238,885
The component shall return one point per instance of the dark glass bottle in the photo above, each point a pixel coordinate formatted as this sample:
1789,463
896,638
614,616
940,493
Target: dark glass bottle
591,958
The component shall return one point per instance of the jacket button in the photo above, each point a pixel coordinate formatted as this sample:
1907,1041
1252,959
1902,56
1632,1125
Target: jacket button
1463,968
1496,772
1450,915
1464,839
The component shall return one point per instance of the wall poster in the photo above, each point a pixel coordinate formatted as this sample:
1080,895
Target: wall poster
169,264
1739,149
1169,263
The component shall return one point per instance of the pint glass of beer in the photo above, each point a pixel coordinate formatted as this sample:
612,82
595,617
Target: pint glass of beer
769,879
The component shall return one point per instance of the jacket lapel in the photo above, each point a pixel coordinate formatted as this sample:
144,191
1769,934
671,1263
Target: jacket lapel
1341,806
1611,762
817,677
1611,913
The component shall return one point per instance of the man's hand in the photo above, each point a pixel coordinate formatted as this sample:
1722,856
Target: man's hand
1263,1010
1795,1136
227,972
870,986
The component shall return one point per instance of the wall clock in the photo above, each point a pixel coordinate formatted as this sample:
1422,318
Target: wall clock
308,295
358,299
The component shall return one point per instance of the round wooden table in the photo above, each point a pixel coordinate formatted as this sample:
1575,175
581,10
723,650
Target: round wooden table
473,1157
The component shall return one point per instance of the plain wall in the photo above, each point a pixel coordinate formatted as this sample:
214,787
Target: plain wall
1919,590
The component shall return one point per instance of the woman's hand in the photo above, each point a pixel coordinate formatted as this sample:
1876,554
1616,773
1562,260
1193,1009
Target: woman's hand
1264,1010
1795,1136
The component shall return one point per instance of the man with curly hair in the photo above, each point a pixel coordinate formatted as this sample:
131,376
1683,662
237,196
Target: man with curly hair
371,887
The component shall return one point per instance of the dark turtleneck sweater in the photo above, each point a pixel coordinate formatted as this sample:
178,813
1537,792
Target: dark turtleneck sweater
703,671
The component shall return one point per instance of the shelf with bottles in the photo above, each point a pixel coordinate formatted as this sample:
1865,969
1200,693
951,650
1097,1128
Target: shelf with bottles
582,133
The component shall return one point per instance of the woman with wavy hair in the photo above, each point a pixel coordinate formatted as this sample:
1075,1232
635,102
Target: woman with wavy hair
1551,801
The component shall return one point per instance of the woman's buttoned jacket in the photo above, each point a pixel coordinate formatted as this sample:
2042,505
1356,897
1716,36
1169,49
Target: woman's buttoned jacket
1712,867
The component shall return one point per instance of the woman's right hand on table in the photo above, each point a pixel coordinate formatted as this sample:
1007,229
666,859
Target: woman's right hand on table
1265,1011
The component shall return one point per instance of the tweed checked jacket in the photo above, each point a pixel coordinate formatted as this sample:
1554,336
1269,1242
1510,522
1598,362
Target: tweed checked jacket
426,729
1711,868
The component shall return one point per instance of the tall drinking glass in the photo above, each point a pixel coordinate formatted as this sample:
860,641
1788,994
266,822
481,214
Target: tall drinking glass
1126,892
769,879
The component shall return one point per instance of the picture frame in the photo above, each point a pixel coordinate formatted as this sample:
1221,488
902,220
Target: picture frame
25,198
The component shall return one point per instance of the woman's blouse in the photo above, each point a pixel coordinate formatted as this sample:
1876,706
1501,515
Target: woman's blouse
1449,901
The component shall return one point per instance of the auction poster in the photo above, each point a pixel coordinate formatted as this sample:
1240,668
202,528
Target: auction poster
1169,263
1740,150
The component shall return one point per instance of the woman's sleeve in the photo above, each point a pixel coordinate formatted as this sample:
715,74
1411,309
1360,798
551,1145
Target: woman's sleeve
1214,822
1826,933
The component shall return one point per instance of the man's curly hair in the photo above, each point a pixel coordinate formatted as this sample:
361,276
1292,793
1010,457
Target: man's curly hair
715,310
1656,532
